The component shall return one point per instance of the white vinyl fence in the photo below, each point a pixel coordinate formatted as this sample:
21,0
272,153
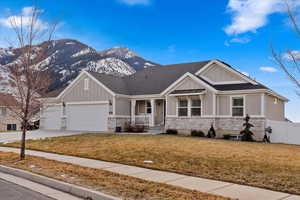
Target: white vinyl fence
284,132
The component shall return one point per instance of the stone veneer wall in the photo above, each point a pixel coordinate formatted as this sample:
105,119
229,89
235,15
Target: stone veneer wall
114,122
222,125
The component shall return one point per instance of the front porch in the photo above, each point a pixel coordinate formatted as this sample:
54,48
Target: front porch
148,112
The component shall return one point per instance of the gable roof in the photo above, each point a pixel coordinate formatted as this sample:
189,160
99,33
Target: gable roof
236,86
152,80
155,80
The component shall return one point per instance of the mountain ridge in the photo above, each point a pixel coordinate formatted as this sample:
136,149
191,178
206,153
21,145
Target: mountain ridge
69,56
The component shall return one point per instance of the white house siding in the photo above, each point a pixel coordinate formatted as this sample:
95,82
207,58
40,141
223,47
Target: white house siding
94,93
274,111
253,104
207,104
171,105
187,84
123,106
217,73
223,105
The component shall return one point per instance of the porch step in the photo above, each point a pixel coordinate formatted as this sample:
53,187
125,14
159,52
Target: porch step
156,129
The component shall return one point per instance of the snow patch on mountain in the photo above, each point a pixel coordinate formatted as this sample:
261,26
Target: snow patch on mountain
83,52
110,66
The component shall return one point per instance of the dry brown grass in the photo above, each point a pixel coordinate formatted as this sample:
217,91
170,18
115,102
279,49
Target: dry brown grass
111,183
271,166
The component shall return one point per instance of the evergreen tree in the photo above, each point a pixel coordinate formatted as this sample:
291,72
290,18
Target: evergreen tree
247,133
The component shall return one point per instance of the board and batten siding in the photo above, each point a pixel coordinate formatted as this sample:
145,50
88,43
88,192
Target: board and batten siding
94,93
171,105
187,84
123,106
274,111
252,104
217,73
223,105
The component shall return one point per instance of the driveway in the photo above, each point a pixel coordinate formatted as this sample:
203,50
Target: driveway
37,134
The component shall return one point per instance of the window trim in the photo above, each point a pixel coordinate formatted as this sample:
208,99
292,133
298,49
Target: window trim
86,84
148,107
244,105
191,106
3,114
138,110
178,107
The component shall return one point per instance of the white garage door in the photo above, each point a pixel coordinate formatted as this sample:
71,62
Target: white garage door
52,118
87,117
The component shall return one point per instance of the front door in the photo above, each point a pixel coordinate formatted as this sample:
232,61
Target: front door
159,112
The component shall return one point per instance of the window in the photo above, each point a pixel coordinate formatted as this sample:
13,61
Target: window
86,84
238,106
195,106
275,100
3,112
182,107
148,107
11,127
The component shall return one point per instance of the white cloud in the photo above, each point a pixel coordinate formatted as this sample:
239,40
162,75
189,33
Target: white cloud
249,15
268,69
295,54
241,40
136,2
24,18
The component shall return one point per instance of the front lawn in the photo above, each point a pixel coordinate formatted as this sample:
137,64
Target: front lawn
271,166
104,181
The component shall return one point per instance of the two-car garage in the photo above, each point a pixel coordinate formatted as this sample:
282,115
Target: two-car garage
76,116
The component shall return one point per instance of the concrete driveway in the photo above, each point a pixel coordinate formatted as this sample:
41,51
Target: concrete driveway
8,137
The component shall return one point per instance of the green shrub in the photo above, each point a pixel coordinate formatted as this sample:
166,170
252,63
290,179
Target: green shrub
171,132
197,133
226,137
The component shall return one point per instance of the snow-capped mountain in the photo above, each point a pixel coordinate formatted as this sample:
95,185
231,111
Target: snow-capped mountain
68,57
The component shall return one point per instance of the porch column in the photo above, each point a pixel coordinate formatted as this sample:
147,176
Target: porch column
189,106
152,121
133,103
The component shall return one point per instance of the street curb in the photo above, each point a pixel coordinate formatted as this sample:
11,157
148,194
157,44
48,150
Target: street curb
58,185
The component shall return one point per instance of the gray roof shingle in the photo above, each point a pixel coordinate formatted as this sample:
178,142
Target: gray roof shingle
154,80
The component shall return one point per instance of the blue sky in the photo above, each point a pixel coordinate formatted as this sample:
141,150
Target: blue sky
238,32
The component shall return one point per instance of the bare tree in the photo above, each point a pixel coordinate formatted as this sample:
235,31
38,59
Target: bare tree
289,61
29,75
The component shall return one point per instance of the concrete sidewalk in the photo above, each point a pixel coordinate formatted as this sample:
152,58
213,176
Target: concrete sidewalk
34,190
226,189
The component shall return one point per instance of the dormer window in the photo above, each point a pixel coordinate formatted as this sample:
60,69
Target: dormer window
86,84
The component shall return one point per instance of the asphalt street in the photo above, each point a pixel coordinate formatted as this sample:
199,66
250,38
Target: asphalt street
10,191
